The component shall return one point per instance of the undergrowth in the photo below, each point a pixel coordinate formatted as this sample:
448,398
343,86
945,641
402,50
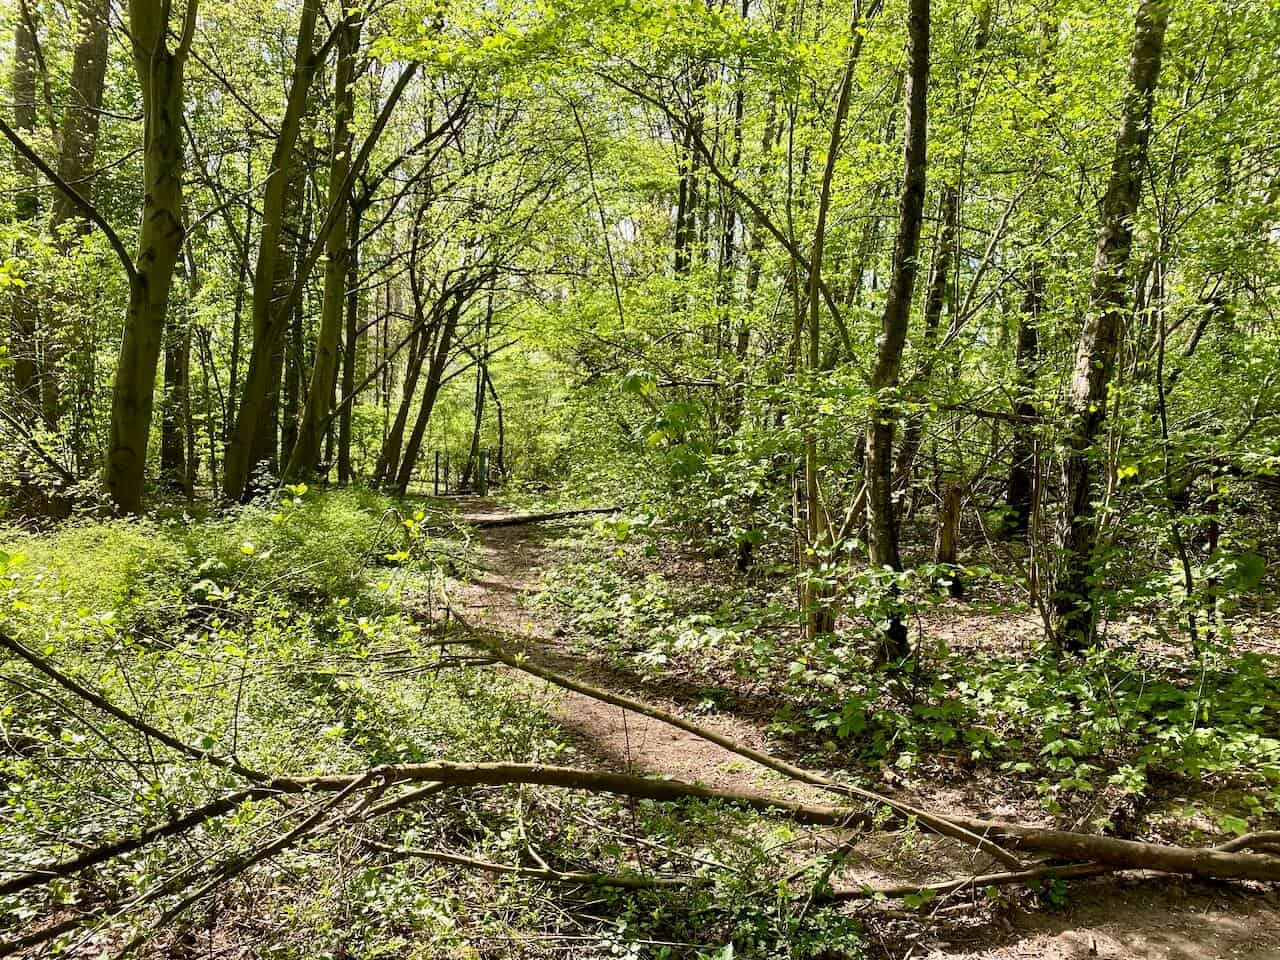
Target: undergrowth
290,636
1132,722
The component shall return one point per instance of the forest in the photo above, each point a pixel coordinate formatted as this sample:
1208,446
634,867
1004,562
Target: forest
643,479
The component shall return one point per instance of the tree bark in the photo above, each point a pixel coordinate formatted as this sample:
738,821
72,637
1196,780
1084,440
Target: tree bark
819,614
389,456
79,136
881,521
351,349
160,238
267,318
304,461
934,302
26,379
435,374
80,122
1075,593
1020,492
482,376
1024,474
175,409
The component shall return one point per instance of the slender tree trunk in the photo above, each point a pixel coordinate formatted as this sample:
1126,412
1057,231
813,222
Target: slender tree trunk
389,457
819,615
79,136
242,276
175,408
160,237
435,374
482,375
295,365
935,301
755,268
1075,593
1020,492
80,122
25,351
882,522
947,537
267,317
502,429
351,350
209,379
305,458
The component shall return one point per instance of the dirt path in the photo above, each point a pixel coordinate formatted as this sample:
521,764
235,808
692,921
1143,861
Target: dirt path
511,561
1116,919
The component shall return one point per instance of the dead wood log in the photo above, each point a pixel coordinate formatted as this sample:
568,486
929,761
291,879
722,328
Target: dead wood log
519,520
1133,854
576,778
1062,872
985,834
1078,848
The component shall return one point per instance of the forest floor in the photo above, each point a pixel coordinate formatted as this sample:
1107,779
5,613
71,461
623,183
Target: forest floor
1119,917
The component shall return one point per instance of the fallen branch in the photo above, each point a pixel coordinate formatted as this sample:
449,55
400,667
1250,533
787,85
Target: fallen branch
576,778
237,865
519,520
492,642
52,871
1204,862
620,881
984,834
102,703
1063,872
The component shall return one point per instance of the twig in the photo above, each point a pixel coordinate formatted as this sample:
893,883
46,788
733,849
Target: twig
102,703
540,873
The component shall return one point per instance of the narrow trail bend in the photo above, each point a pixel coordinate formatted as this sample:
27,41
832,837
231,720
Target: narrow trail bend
511,561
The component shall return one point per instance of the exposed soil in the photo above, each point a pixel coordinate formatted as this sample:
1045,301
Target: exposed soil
1116,917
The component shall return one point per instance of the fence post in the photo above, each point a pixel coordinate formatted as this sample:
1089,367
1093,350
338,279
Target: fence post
482,474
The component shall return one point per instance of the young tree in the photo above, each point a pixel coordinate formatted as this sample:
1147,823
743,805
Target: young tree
882,523
1075,593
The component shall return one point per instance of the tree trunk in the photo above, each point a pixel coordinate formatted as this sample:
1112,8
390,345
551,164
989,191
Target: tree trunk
1020,492
266,316
351,351
482,375
502,427
882,524
79,136
26,381
819,613
935,300
389,457
304,461
160,237
174,470
435,374
80,122
947,537
1075,595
